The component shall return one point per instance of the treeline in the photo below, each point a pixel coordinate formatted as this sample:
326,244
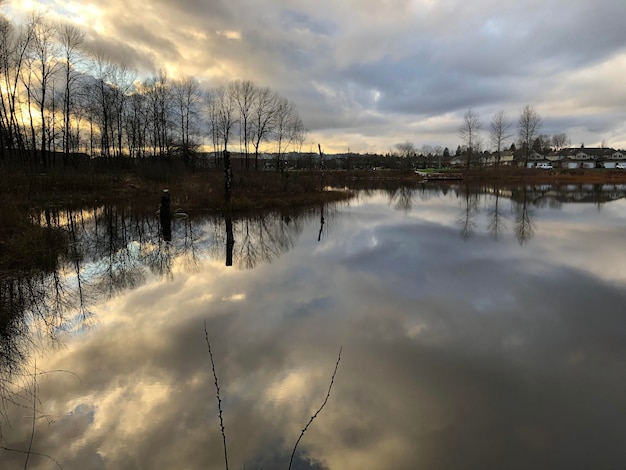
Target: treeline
501,133
62,103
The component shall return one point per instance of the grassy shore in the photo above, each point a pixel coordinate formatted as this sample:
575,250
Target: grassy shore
251,190
192,191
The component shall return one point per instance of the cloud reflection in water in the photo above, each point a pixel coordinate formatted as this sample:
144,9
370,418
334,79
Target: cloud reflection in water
476,353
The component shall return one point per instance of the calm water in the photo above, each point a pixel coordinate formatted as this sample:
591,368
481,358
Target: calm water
479,331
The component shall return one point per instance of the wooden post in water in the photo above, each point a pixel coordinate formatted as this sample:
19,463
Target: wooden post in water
319,235
230,239
321,167
165,215
228,177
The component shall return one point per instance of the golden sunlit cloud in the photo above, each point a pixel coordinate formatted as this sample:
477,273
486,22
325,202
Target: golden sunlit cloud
235,298
295,384
229,34
84,13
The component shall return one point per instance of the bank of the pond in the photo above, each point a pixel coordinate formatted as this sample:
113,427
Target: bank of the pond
254,190
512,175
193,191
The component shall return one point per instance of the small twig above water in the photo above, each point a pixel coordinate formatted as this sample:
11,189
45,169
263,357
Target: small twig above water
32,434
332,380
39,454
219,400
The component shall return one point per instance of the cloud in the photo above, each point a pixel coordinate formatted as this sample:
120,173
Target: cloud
356,65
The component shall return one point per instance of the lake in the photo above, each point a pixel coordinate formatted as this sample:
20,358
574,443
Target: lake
479,328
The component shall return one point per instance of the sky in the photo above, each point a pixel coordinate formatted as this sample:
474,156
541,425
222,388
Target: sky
366,75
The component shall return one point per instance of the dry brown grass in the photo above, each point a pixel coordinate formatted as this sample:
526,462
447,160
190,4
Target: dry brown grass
251,190
201,190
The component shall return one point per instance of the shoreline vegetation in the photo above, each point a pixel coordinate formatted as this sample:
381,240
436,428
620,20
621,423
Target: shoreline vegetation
27,195
204,191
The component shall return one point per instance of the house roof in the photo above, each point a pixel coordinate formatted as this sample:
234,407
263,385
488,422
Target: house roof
592,151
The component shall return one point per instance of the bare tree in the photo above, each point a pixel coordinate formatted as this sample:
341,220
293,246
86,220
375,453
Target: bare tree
404,149
542,143
158,98
529,125
108,93
469,132
136,124
43,66
211,98
263,119
560,141
14,46
5,127
500,132
286,125
71,39
226,114
121,117
120,84
244,96
186,96
438,152
300,134
100,109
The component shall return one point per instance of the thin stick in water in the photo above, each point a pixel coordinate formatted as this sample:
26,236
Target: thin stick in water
32,434
217,388
332,380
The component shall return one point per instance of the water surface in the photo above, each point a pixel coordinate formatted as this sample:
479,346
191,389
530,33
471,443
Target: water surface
480,329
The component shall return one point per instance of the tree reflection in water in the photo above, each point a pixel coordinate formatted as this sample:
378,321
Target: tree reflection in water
110,249
467,218
497,220
524,227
